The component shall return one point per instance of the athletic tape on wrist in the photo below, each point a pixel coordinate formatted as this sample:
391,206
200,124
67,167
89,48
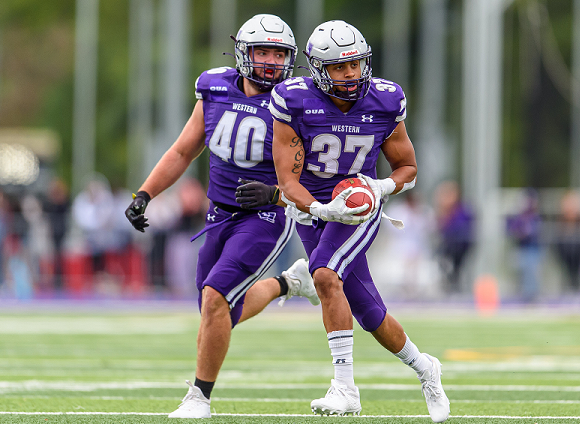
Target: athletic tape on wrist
286,200
409,186
389,185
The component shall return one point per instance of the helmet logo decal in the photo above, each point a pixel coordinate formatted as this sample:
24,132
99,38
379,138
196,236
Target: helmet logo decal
276,40
349,53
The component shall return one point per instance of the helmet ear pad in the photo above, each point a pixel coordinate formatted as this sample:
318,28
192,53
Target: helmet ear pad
241,51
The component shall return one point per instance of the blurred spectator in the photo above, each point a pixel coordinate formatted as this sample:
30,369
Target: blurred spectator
57,208
164,215
19,281
455,230
404,258
4,211
122,231
567,237
15,261
181,254
38,242
93,211
524,228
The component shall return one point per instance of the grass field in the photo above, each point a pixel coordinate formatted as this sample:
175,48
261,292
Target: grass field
129,366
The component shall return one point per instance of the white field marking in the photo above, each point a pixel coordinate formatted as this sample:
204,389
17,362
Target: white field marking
95,325
295,400
396,387
534,364
90,386
294,415
512,401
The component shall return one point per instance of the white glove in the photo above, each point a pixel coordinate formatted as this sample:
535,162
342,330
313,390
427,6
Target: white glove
298,216
337,210
381,188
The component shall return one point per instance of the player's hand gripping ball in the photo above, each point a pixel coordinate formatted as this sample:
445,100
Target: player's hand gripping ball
361,194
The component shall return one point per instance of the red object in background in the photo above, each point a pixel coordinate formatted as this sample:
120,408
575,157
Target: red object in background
78,274
129,266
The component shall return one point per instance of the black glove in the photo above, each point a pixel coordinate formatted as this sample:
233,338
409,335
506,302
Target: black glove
252,194
136,209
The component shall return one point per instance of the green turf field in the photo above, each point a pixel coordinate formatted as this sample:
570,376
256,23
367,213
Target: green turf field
122,366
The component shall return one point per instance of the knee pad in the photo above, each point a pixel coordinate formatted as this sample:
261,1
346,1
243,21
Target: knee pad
370,316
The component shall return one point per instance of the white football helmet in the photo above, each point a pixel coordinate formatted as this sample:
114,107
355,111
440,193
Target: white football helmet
267,31
335,42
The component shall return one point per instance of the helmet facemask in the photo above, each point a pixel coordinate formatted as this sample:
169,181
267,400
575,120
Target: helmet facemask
247,65
322,79
266,31
336,42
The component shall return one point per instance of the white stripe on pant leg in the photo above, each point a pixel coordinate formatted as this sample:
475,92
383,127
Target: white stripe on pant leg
354,239
245,285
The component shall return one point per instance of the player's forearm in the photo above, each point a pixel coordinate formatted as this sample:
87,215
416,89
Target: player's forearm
404,178
170,167
295,194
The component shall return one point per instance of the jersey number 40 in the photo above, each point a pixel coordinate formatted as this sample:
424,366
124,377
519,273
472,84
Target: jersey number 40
220,141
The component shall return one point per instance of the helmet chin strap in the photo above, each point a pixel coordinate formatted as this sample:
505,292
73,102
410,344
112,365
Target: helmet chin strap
260,87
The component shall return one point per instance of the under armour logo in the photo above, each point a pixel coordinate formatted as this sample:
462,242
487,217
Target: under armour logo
367,118
340,361
265,103
210,217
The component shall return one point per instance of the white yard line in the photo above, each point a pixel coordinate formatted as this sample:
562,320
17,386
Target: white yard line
297,400
297,415
90,386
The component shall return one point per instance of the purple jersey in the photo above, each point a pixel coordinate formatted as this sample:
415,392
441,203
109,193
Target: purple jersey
238,133
336,144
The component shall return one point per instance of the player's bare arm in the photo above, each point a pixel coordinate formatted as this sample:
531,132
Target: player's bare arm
288,153
400,154
170,167
175,161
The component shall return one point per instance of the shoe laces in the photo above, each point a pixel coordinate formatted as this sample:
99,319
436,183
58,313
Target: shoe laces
430,387
190,394
336,390
431,390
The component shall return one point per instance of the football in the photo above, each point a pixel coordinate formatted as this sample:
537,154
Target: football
361,195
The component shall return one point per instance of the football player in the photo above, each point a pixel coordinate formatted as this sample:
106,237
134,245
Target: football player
232,119
328,127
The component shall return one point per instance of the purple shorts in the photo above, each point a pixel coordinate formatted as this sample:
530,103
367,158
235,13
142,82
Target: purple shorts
343,248
239,250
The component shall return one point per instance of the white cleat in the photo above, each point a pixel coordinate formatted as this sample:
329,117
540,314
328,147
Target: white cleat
299,283
339,400
437,401
193,405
